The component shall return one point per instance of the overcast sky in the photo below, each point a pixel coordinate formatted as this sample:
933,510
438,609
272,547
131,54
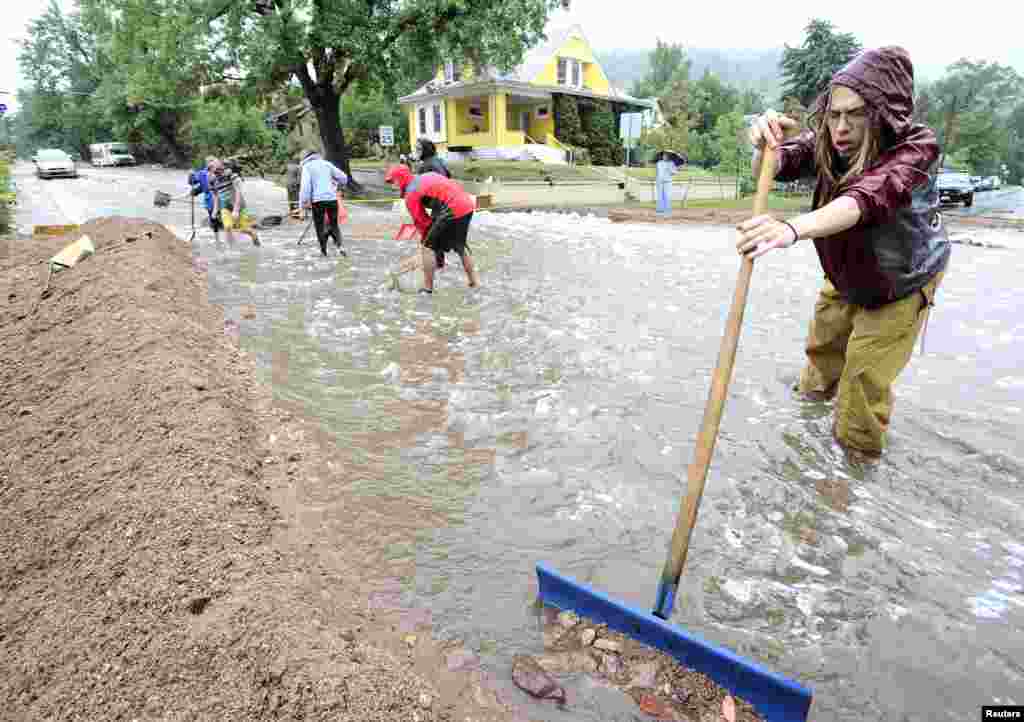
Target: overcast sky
933,37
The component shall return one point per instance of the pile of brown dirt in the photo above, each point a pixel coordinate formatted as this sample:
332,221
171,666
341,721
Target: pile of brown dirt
150,565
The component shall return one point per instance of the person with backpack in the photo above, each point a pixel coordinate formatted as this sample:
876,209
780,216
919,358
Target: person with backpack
319,191
229,202
876,229
430,161
447,226
199,180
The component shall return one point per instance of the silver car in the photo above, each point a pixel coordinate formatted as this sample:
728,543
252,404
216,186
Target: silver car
53,163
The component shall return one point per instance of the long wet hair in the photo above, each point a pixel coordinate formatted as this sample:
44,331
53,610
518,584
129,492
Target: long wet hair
825,157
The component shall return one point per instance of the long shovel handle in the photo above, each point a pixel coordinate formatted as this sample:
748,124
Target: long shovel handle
304,231
708,434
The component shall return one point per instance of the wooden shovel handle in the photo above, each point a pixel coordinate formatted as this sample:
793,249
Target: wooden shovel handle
708,434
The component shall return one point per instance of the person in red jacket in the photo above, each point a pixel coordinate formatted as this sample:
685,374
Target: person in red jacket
447,226
876,228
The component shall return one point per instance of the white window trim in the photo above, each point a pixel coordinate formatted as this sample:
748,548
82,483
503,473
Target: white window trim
572,67
430,132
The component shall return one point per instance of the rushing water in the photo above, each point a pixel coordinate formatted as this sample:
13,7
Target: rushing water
551,415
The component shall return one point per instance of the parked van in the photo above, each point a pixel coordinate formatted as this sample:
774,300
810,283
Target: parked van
101,154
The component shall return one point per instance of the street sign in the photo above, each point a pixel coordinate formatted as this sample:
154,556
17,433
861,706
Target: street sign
3,108
630,126
387,136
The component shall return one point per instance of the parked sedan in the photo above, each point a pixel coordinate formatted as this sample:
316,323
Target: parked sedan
53,163
956,188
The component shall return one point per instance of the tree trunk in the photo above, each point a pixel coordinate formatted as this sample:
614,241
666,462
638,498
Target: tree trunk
326,105
167,128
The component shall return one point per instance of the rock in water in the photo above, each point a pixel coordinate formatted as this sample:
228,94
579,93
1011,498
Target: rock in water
532,679
645,675
609,645
655,707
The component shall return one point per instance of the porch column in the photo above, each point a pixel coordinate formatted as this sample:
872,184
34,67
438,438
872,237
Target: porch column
413,129
451,121
499,118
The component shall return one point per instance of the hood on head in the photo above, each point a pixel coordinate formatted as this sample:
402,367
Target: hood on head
884,77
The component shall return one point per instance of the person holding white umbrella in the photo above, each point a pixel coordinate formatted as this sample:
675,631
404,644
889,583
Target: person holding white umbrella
665,168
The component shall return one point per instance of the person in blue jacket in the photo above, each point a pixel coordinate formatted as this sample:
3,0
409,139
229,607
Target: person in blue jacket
200,182
319,191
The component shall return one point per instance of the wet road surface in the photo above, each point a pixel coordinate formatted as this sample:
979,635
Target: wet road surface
551,414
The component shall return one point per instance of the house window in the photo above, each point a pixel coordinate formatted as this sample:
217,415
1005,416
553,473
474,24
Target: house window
452,72
437,118
570,72
423,121
542,111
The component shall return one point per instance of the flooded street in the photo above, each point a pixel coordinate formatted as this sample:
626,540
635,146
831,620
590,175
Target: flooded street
551,415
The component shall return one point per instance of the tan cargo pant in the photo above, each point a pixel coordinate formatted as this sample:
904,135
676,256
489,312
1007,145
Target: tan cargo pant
857,353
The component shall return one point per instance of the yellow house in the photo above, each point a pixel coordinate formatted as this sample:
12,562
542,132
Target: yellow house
511,115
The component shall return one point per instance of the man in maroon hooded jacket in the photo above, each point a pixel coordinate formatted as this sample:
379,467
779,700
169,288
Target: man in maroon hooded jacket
876,228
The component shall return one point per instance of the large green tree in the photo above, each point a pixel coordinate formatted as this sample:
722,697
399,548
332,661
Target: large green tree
733,147
162,55
666,63
710,98
971,104
1013,155
328,46
63,64
752,102
807,69
674,134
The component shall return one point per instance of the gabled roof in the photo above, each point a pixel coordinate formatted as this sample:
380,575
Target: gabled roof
537,58
534,62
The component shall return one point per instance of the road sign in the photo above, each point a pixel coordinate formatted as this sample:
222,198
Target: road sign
387,135
3,108
630,126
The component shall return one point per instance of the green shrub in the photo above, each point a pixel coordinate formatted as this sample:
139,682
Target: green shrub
602,141
7,195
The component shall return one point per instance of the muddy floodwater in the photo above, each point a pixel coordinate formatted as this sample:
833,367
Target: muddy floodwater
550,416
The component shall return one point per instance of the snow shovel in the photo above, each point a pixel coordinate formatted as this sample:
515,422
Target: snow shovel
776,698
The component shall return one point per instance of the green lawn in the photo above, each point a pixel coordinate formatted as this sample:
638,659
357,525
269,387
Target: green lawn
695,172
776,202
506,170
